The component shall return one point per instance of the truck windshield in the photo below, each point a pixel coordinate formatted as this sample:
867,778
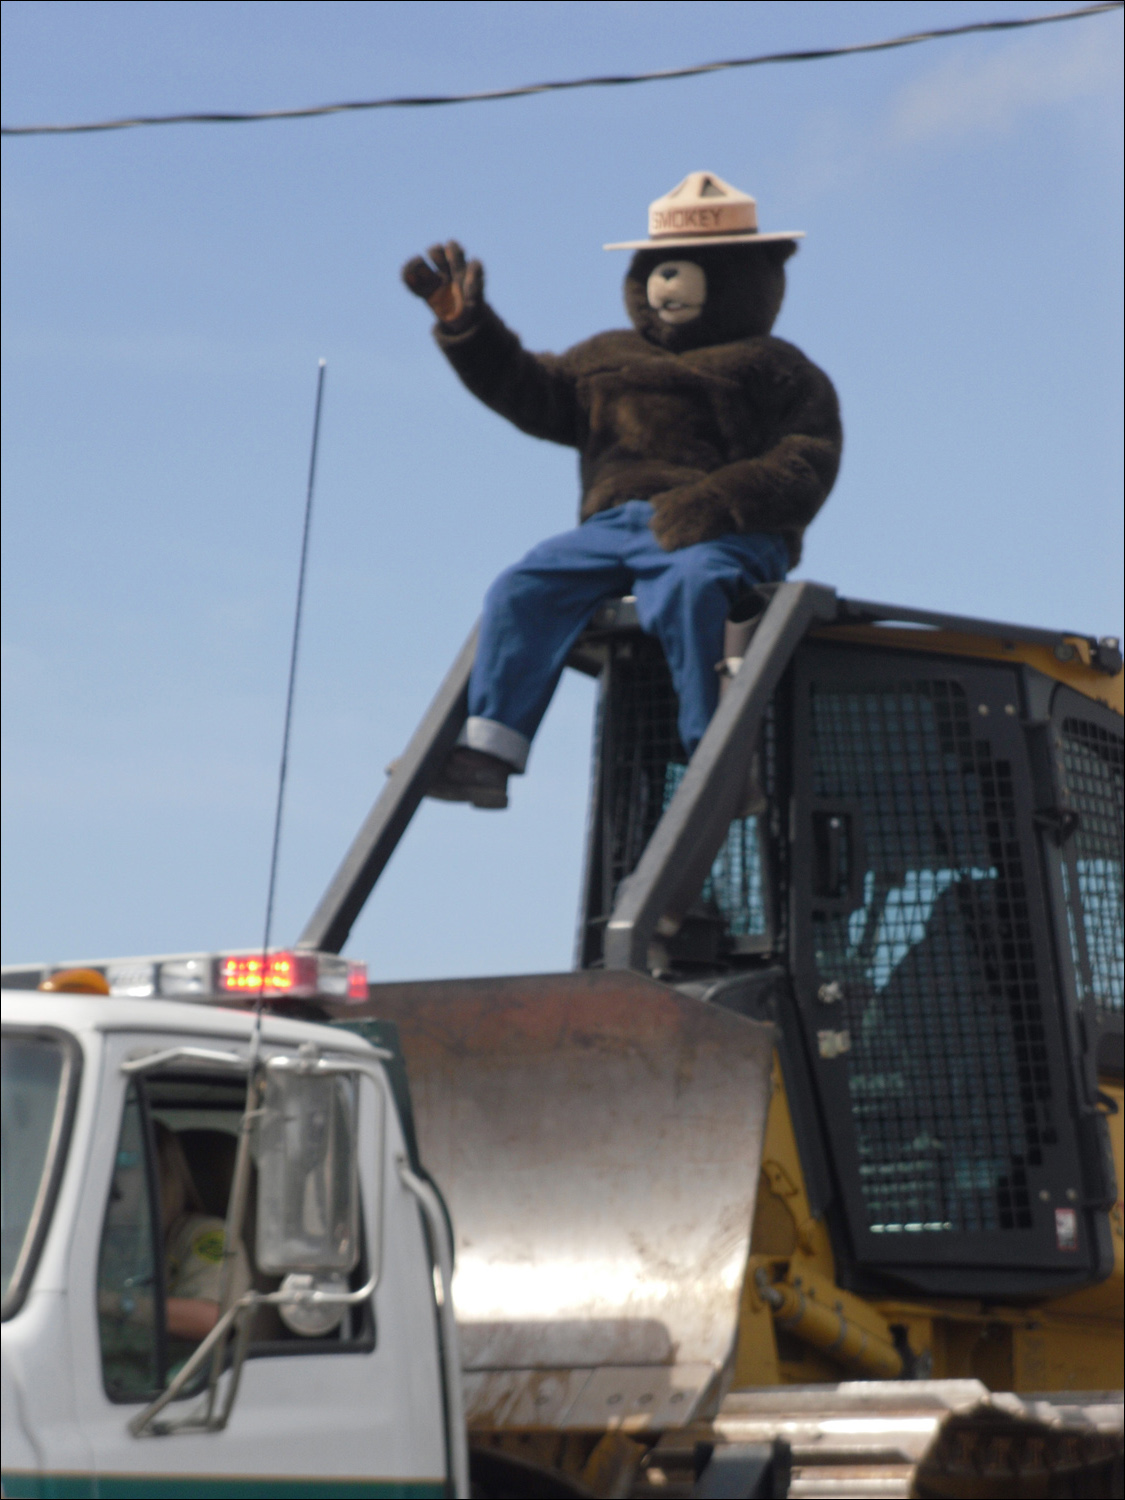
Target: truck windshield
35,1073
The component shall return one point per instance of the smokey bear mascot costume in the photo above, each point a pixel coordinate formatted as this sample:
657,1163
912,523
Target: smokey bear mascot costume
706,448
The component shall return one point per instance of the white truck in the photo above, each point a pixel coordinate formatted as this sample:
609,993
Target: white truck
335,1372
601,1134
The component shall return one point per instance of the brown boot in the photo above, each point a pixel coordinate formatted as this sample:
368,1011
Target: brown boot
472,776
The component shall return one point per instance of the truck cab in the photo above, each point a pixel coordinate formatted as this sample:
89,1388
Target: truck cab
310,1230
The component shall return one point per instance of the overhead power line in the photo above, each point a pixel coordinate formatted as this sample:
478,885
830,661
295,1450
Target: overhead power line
428,101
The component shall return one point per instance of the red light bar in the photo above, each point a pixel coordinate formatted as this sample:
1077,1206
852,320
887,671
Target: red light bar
280,974
357,982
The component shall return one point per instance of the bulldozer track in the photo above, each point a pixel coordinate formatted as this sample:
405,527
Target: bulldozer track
926,1439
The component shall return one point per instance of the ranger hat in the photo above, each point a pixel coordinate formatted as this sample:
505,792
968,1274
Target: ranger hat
704,210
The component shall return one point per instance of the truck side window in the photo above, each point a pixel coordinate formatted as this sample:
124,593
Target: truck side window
159,1260
40,1072
130,1301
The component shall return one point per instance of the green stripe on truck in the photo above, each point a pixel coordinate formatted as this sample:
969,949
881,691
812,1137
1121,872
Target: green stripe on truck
29,1485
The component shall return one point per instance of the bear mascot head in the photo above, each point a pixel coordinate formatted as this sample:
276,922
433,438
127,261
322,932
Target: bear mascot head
741,288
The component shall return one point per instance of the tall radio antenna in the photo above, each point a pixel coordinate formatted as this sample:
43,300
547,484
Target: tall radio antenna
283,770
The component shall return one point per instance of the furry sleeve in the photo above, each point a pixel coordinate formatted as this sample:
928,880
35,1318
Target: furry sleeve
782,488
534,391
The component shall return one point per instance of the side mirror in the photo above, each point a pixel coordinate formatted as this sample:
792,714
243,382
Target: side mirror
308,1215
308,1189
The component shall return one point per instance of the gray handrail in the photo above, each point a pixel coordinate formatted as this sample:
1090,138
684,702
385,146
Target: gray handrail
328,927
695,823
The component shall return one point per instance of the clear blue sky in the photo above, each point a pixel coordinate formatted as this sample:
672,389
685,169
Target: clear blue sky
167,295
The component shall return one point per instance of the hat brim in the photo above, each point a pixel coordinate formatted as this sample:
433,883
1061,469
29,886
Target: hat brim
674,243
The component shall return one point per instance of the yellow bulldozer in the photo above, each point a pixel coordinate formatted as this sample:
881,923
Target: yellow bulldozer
804,1180
898,847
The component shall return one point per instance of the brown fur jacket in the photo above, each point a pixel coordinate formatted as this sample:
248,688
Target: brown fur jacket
724,428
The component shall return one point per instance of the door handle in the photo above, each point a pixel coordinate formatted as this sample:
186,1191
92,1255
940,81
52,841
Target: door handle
839,862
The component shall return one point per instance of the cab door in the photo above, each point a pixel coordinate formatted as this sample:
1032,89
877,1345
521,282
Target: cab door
48,1097
926,975
359,1411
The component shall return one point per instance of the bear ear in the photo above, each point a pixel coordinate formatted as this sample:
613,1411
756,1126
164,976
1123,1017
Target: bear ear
781,250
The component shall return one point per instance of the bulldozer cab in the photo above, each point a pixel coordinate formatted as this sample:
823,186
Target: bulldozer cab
922,888
900,842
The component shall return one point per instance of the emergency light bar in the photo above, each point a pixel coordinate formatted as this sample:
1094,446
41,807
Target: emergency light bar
302,975
283,974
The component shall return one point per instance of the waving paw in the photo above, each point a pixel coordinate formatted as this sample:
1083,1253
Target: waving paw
453,288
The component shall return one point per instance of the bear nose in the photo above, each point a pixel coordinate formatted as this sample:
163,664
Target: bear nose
670,274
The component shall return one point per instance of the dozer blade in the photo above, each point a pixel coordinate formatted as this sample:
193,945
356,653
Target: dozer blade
597,1137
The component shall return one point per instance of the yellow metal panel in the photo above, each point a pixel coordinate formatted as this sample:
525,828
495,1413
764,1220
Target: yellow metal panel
1072,1343
789,1245
1075,670
1076,1354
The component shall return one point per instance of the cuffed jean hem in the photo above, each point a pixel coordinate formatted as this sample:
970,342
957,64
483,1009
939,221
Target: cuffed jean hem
496,739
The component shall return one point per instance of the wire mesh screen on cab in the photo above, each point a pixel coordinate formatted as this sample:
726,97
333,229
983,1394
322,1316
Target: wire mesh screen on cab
926,974
1093,765
950,1093
640,763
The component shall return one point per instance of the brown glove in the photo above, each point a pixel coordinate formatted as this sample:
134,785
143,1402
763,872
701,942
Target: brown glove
454,290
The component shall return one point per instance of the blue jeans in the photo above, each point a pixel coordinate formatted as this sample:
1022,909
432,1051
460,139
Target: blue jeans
536,610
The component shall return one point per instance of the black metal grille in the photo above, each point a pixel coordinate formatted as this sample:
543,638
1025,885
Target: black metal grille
938,993
646,761
1093,760
644,764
